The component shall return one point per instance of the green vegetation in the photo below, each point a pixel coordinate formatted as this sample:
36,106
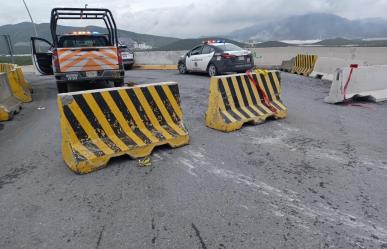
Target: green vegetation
20,60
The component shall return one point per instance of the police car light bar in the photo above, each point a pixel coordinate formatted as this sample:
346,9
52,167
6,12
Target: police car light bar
214,41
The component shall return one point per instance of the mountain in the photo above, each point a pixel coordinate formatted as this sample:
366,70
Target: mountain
20,35
272,44
339,42
187,44
313,26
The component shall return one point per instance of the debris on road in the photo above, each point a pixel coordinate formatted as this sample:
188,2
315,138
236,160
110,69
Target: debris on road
144,162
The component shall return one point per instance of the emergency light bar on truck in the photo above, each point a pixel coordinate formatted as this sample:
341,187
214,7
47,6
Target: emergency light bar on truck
87,14
82,33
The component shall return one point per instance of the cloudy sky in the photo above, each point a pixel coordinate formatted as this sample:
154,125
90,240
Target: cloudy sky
192,18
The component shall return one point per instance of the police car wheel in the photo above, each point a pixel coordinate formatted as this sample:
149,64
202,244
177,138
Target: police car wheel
182,68
212,71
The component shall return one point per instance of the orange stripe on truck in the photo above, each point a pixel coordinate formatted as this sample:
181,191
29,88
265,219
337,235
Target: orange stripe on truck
92,66
92,59
89,57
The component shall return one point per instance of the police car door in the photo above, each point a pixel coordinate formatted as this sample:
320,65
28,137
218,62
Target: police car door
205,58
193,59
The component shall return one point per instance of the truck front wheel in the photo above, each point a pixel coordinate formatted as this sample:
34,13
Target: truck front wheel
128,66
62,87
119,83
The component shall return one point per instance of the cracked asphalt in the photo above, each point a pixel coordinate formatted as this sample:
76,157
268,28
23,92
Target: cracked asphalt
317,179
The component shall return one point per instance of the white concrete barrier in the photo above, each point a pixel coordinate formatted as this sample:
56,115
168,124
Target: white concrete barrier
9,105
158,57
365,81
329,58
367,55
326,66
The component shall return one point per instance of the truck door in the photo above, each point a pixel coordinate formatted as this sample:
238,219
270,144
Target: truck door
193,59
41,55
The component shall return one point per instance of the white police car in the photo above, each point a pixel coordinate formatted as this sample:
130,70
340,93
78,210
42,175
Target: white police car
216,57
127,56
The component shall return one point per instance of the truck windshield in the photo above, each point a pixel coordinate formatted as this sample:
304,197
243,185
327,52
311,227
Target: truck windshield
82,41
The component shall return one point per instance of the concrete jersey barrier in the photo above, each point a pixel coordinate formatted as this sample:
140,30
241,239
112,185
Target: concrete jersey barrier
22,81
18,90
101,124
288,65
9,105
326,66
365,81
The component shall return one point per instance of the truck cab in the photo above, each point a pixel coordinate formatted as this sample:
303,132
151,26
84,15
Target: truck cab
80,56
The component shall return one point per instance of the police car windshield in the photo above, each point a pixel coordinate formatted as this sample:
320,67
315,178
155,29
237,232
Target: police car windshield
228,47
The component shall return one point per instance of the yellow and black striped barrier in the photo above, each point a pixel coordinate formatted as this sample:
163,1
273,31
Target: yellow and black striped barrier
22,81
9,105
101,124
19,90
236,99
304,64
6,67
20,87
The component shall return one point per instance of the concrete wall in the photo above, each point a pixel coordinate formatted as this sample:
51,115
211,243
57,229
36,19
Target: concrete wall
330,58
158,57
274,56
368,56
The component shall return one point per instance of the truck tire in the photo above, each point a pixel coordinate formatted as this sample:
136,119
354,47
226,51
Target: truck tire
128,66
62,87
119,83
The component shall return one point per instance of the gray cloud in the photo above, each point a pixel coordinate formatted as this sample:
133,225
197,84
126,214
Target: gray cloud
195,18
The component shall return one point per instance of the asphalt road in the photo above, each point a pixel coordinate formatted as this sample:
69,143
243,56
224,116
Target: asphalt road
317,179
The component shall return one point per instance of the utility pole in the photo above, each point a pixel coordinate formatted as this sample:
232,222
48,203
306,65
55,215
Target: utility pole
29,13
8,41
8,38
33,23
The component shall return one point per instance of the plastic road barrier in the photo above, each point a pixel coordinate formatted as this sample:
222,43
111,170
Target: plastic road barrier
100,124
304,64
244,98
